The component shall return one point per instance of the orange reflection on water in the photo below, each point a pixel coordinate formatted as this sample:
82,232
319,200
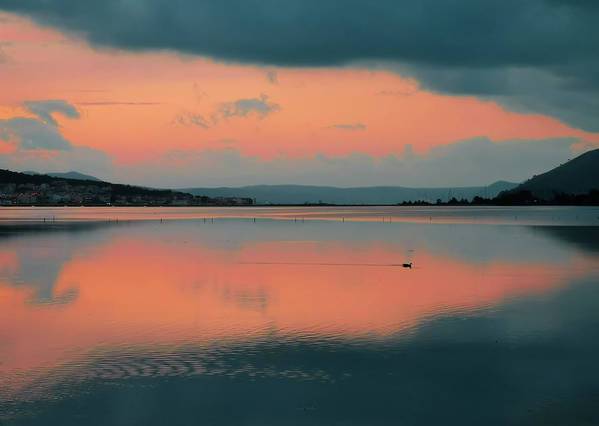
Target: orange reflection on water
132,291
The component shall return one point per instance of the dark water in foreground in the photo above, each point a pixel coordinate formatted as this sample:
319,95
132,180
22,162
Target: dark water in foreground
286,322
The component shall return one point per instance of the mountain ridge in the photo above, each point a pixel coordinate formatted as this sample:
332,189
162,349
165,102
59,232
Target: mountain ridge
384,194
577,176
66,175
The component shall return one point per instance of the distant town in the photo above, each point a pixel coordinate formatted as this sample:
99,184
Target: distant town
20,189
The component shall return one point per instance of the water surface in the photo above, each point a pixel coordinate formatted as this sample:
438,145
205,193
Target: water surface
210,317
529,215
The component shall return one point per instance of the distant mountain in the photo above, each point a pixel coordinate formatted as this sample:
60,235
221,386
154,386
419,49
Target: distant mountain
300,194
67,175
577,176
74,175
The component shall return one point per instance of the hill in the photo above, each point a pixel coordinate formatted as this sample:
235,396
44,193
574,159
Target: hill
67,175
74,175
36,189
577,176
301,194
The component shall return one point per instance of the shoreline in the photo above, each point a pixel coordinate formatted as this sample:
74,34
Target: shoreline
424,215
219,206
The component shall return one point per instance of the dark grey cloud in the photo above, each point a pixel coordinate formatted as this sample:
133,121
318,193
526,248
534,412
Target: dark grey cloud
32,137
192,119
351,127
555,92
272,77
244,107
41,132
535,55
33,134
44,110
326,32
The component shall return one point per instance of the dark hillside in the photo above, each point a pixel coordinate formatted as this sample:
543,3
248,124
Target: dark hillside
577,176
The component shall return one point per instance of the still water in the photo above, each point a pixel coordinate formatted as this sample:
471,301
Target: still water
299,316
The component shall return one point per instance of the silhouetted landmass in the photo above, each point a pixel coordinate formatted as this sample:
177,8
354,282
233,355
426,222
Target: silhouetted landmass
67,175
35,189
517,198
323,195
573,183
578,176
526,197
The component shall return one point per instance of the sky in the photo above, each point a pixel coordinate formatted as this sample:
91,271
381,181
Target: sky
183,93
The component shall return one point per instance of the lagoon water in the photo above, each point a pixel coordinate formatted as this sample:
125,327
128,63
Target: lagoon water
299,316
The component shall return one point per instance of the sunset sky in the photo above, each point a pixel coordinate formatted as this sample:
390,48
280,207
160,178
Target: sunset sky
349,93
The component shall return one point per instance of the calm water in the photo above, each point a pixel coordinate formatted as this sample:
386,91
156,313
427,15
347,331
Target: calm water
301,317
